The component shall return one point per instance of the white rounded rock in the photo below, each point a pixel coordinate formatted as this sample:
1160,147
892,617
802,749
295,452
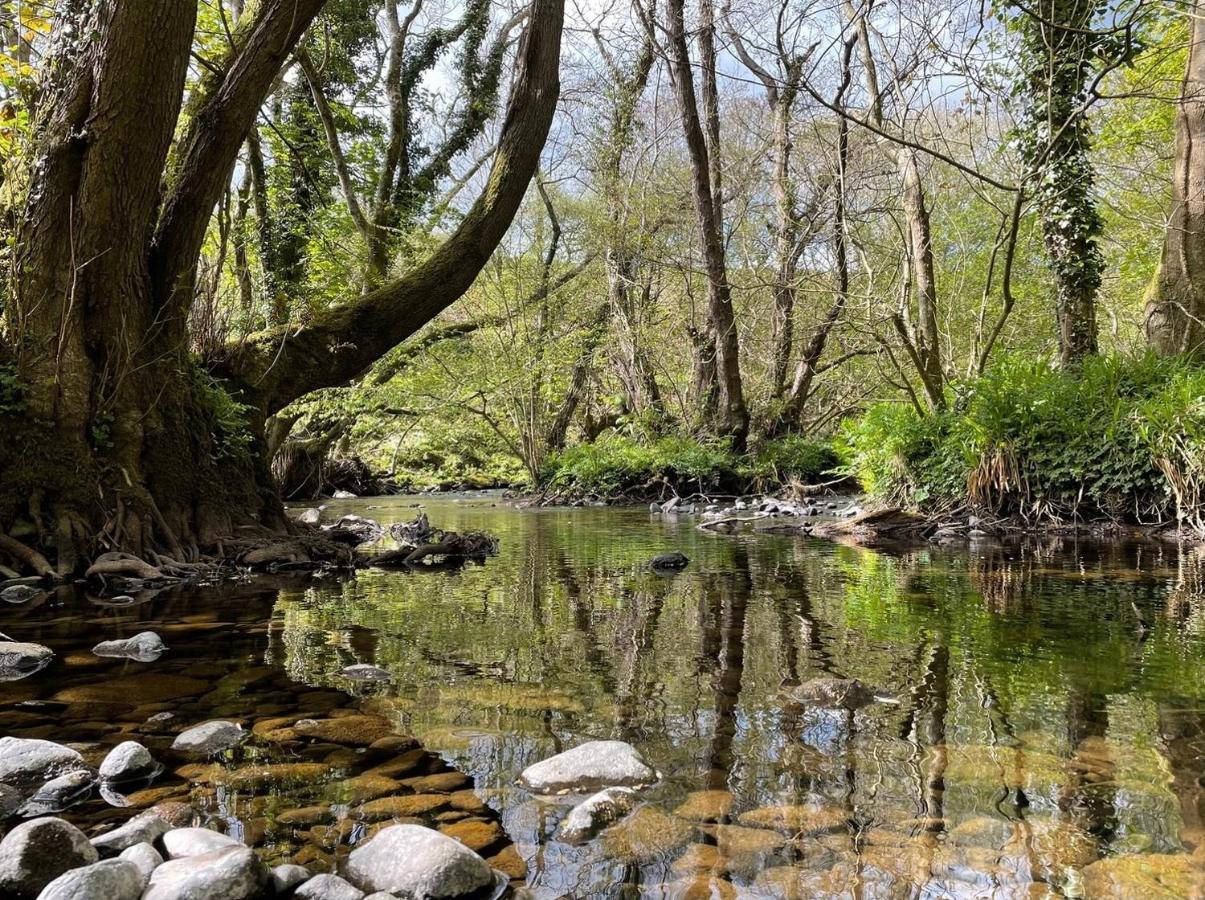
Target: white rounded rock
144,856
231,873
181,843
146,646
145,828
128,761
28,760
19,660
589,767
112,879
287,876
413,861
327,887
595,813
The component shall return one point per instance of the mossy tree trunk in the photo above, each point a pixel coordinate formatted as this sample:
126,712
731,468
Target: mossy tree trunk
124,443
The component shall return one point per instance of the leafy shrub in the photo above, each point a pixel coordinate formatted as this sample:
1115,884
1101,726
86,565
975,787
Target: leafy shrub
792,458
1119,436
12,390
228,419
620,465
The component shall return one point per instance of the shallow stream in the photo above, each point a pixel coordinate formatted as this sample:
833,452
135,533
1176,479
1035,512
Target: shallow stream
1047,739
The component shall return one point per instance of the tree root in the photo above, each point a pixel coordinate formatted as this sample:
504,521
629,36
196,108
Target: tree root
27,555
124,565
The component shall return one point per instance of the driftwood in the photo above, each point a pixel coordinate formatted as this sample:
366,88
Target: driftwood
888,522
419,541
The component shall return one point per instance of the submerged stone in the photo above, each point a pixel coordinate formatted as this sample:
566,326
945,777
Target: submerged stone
705,806
595,813
799,819
1146,875
674,561
647,834
589,766
364,672
354,730
836,693
145,688
475,834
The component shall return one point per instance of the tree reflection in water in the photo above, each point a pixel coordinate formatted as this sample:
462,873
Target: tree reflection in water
1039,729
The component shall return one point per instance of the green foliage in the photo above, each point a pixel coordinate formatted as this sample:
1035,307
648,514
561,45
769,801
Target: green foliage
793,458
12,391
1121,437
620,465
229,431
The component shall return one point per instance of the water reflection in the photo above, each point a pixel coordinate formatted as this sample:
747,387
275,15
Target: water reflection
1047,741
1049,717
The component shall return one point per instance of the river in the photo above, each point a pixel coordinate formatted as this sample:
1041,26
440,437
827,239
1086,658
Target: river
1047,735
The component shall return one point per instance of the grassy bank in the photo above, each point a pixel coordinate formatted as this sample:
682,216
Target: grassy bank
1121,439
619,466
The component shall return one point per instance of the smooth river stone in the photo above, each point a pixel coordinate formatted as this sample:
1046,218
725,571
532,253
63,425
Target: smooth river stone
413,861
145,828
20,660
128,761
112,879
231,873
29,760
589,767
36,852
181,843
209,738
144,856
595,813
328,887
146,646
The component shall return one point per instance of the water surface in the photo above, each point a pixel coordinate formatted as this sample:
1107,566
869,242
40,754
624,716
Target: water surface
1047,739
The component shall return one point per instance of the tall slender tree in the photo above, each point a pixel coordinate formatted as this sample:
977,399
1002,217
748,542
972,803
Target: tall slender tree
702,144
1175,306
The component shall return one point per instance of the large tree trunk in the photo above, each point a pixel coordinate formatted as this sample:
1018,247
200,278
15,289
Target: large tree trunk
125,442
107,388
1175,307
732,416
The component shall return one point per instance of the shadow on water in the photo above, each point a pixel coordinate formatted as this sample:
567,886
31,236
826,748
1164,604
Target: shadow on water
1048,736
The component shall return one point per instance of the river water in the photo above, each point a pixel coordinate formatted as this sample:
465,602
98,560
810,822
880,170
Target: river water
1046,738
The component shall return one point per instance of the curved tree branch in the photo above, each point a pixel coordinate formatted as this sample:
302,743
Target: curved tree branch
281,365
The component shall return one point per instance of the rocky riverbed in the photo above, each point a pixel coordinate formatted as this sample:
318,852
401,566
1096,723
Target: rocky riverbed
752,715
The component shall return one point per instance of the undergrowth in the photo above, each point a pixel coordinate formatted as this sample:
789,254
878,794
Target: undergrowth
618,465
1120,437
